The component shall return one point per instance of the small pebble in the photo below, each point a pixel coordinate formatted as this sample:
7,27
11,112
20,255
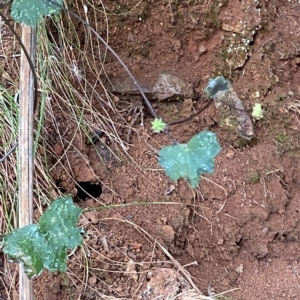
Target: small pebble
58,149
240,269
92,281
220,242
230,154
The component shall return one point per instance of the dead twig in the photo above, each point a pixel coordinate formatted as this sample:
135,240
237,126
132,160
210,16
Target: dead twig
10,151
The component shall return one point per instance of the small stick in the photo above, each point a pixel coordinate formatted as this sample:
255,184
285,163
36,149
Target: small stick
10,151
26,153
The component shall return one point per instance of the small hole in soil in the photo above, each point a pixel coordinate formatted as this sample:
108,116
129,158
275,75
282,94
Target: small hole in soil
87,189
57,183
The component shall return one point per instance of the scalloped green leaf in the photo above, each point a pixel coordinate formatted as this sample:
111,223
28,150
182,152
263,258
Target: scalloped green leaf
257,112
190,160
158,125
31,12
25,245
45,245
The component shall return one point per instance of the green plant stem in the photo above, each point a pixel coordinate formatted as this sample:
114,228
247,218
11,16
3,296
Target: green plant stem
193,115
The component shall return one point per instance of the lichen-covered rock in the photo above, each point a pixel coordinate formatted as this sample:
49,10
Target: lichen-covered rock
240,28
166,86
231,110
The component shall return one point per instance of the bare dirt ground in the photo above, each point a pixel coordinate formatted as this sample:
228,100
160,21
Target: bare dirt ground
240,229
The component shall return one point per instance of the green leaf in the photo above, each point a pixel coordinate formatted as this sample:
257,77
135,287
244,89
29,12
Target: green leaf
158,125
45,245
190,160
25,245
31,12
257,112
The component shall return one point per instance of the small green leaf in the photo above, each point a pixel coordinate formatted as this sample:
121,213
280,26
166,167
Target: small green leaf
45,245
257,112
158,125
31,12
190,160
